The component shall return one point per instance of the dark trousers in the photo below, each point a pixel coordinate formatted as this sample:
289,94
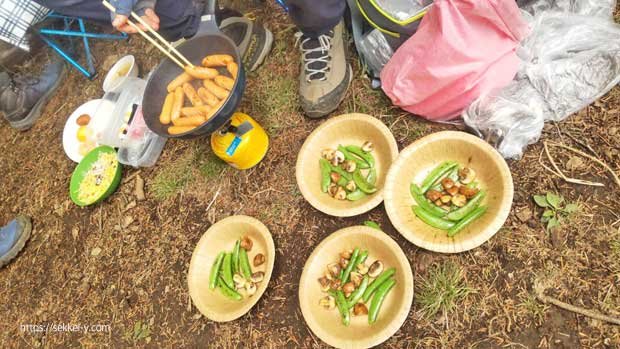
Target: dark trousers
316,17
178,18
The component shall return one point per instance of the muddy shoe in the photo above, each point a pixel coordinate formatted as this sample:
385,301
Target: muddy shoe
23,99
253,40
13,237
325,74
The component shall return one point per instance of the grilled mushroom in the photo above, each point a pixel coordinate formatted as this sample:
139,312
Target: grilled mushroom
328,302
360,309
367,146
351,186
375,269
328,154
459,200
350,166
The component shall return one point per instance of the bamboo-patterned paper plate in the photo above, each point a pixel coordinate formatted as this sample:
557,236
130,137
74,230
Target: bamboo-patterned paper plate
222,236
344,130
327,324
421,157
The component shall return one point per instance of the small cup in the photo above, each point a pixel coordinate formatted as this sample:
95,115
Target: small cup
125,67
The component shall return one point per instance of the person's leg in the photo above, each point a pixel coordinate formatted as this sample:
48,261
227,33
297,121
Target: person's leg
325,74
178,18
22,99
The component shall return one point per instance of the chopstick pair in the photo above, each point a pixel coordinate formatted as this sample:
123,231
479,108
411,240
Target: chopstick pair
171,48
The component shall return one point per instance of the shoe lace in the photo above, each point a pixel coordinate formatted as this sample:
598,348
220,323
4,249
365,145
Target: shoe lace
325,44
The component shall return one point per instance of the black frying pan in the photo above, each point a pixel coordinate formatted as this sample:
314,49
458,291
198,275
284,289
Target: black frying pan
207,41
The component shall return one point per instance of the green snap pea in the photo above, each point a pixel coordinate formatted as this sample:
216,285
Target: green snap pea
325,172
419,198
377,282
431,220
227,275
356,195
378,298
372,225
361,163
235,258
372,176
357,150
473,203
437,172
454,174
348,176
358,293
342,181
473,185
350,266
361,183
228,291
341,303
244,263
467,220
215,270
361,258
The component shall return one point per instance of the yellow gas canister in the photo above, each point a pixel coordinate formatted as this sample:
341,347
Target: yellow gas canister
242,144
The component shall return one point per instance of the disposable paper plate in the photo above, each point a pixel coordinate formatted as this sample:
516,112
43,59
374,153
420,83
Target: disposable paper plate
344,130
222,236
421,157
326,324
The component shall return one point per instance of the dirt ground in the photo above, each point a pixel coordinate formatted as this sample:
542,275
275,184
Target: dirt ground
137,283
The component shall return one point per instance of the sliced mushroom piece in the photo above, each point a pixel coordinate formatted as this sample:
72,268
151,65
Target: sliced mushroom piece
468,192
328,154
438,202
447,183
343,263
350,166
459,200
325,284
246,243
375,269
250,288
259,259
341,194
348,288
239,281
446,198
335,285
467,175
453,191
332,189
433,195
367,146
328,302
356,278
338,158
346,254
351,186
362,268
333,269
334,176
360,309
257,277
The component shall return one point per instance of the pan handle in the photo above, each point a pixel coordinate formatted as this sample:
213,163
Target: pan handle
208,25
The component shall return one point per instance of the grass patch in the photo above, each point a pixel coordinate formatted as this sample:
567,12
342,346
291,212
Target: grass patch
442,290
533,307
275,98
172,178
210,166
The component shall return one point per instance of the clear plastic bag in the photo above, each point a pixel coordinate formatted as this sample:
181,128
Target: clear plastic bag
376,49
570,60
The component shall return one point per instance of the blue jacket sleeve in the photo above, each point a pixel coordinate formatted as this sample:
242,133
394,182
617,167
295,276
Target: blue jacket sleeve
123,7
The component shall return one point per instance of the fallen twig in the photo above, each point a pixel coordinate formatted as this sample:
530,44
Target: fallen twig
561,174
213,200
613,174
539,290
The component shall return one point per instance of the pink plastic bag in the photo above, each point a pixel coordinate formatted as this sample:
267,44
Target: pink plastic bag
462,49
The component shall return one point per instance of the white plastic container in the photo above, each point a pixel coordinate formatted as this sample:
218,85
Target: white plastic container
122,70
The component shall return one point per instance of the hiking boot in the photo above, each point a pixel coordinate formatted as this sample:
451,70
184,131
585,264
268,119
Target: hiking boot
13,237
325,74
23,99
253,40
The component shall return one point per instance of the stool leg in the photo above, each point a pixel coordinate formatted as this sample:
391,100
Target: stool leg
89,58
68,58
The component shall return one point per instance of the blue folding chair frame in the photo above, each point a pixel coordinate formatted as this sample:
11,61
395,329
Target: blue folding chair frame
47,34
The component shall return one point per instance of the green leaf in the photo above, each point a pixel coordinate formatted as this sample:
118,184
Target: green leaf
548,213
541,201
571,208
372,225
554,200
553,223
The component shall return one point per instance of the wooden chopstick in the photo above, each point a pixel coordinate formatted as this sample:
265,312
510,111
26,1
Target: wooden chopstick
150,39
